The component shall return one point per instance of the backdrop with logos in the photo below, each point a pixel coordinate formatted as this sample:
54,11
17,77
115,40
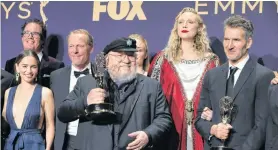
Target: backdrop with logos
107,21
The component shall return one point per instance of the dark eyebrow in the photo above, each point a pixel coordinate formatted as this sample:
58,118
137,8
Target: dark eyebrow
30,65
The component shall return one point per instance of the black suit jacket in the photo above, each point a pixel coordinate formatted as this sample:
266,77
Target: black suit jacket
146,110
272,125
47,65
250,111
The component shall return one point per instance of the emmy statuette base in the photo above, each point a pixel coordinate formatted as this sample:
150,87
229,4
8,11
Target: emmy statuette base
101,113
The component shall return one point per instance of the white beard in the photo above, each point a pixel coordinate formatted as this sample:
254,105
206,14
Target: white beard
120,79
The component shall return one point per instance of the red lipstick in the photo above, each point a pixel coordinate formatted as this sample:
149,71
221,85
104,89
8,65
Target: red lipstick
184,31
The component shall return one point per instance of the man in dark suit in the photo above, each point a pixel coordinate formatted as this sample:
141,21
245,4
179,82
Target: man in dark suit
33,38
272,124
143,119
80,46
6,82
246,82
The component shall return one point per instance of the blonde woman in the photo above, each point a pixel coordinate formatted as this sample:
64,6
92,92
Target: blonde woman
142,56
180,68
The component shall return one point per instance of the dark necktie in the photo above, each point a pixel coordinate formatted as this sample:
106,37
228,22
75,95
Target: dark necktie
230,82
78,73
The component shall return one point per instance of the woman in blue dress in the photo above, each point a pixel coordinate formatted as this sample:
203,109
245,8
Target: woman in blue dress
26,107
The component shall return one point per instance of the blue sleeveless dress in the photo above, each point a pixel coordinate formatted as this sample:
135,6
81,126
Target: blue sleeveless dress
28,137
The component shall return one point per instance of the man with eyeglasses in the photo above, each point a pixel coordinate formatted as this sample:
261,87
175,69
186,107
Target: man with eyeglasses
33,38
143,119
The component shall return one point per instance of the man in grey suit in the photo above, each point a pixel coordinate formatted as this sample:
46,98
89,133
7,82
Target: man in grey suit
143,119
272,124
246,82
6,82
80,46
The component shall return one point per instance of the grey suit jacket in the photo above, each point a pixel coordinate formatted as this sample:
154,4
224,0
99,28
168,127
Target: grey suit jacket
59,84
6,82
272,125
148,112
250,111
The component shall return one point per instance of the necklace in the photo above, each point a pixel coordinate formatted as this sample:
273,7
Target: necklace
189,61
189,72
196,61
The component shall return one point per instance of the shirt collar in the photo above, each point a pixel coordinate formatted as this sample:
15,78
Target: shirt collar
241,64
40,55
73,68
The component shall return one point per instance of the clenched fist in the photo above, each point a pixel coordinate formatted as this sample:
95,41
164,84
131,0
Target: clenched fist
96,96
275,80
221,130
207,114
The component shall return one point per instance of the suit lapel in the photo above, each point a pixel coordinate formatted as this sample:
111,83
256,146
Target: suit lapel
223,79
129,108
44,62
65,80
243,77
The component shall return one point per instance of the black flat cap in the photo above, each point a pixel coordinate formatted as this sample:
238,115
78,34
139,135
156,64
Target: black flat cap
121,45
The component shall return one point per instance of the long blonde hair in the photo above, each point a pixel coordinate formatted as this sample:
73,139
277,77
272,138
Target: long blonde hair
173,50
146,63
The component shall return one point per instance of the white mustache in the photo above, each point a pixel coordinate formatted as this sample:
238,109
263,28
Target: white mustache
125,66
116,67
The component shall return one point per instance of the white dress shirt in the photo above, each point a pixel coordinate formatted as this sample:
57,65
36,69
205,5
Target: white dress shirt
40,55
73,126
240,66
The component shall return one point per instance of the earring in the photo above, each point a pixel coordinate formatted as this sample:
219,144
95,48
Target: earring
16,76
36,79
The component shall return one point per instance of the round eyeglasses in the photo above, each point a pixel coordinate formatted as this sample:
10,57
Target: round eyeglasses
33,34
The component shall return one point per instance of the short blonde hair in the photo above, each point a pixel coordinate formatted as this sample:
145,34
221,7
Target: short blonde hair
146,63
173,50
90,38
